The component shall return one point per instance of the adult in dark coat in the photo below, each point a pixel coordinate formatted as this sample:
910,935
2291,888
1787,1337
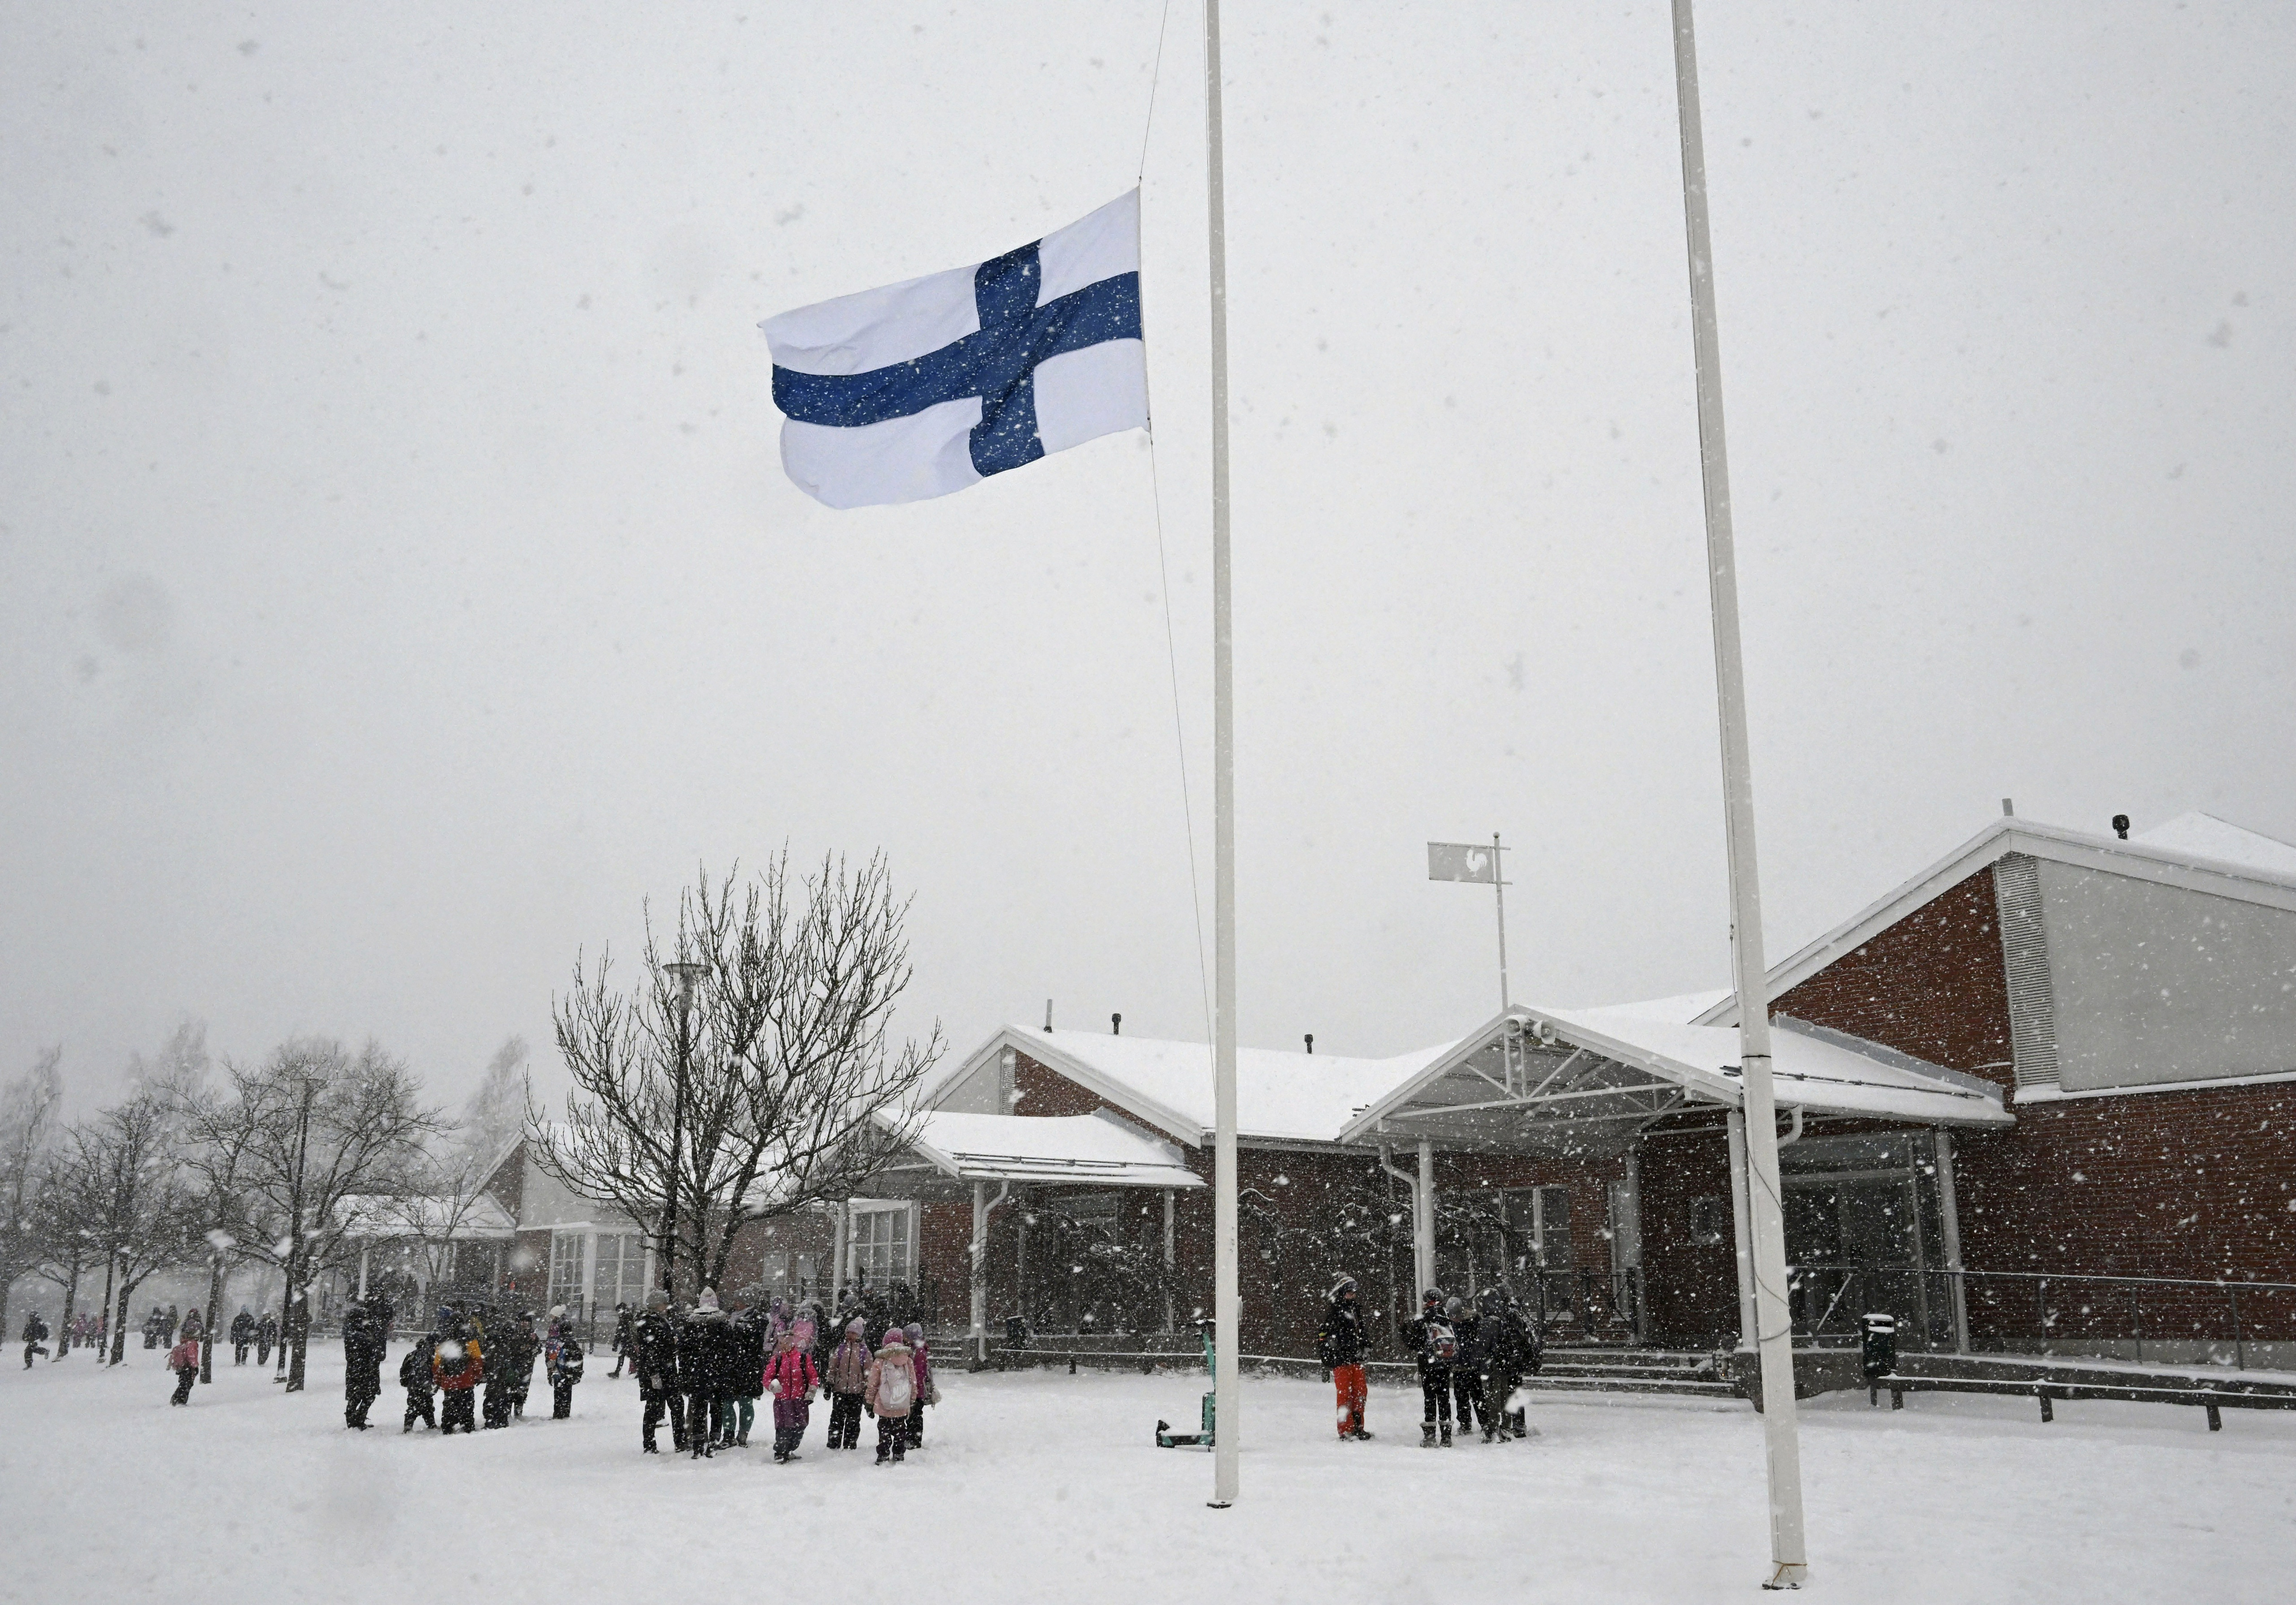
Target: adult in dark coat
267,1338
242,1335
510,1348
745,1374
523,1345
705,1372
625,1318
1505,1353
654,1361
155,1327
363,1352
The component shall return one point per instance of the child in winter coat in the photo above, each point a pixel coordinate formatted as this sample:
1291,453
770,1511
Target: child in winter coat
1436,1343
893,1394
790,1378
926,1394
457,1365
562,1363
184,1360
848,1373
415,1375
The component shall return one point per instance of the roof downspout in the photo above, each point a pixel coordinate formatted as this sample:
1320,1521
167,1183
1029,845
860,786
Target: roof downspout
983,1206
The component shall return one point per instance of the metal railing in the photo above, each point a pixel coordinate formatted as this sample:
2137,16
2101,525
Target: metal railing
2044,1309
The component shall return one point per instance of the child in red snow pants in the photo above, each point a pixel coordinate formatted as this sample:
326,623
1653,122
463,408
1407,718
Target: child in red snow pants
1348,1380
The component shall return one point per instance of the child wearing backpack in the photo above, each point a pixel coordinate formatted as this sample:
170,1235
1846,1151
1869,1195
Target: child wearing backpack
926,1394
1437,1344
790,1378
848,1376
893,1394
184,1360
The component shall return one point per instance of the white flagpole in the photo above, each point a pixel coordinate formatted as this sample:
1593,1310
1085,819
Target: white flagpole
1782,1439
1226,1426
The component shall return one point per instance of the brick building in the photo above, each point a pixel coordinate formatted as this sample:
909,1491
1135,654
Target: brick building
2051,1053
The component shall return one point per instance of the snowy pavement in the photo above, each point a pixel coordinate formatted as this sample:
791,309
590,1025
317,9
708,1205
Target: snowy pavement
1046,1488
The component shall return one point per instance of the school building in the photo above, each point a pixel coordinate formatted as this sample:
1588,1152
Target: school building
2035,1098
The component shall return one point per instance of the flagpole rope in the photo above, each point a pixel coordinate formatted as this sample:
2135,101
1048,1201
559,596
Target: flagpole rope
1163,564
1155,76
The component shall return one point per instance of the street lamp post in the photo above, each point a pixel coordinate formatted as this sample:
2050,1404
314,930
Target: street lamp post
687,971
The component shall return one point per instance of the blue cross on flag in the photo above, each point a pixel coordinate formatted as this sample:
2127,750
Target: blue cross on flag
924,388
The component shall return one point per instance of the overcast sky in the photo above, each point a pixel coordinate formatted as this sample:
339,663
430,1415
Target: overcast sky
399,584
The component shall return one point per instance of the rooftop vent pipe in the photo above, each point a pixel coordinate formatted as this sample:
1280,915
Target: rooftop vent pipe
1311,1042
1049,1014
2008,807
2121,826
1115,1025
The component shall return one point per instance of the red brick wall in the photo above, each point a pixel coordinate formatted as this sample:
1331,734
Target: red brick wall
1040,1090
2180,1184
1932,985
1692,1289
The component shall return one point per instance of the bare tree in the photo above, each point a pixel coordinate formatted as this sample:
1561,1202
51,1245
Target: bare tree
141,1207
777,1086
218,1134
328,1130
27,1123
67,1222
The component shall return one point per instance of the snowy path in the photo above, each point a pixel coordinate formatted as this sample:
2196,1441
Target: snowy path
1045,1488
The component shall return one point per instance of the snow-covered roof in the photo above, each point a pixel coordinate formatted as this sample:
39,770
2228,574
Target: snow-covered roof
1536,1079
1054,1148
2205,836
1280,1095
2197,852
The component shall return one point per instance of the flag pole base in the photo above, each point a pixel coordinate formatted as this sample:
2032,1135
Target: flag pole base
1790,1575
1217,1504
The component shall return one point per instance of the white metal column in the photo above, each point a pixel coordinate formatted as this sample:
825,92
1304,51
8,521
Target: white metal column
1170,1259
838,1279
1423,1224
979,1340
1742,1232
1949,1213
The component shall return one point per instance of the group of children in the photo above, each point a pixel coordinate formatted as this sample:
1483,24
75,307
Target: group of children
696,1366
457,1365
1471,1358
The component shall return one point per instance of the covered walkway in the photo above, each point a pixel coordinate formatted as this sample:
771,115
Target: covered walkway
1597,1084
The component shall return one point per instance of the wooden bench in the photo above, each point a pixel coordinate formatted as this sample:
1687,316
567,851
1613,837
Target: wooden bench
2212,1398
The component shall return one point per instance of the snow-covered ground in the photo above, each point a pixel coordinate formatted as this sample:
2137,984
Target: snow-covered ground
1046,1488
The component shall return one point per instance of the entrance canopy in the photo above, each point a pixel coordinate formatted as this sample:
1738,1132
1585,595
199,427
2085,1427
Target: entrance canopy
1585,1082
952,1150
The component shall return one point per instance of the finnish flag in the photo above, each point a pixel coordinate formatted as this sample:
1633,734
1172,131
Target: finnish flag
924,387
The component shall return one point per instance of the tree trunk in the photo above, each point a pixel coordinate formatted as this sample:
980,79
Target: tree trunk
109,1264
63,1327
207,1332
119,1322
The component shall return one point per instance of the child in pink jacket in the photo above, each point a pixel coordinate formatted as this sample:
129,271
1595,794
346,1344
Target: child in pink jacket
893,1394
790,1378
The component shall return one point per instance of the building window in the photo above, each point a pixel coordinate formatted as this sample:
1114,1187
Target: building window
882,1244
566,1270
1709,1220
620,1275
